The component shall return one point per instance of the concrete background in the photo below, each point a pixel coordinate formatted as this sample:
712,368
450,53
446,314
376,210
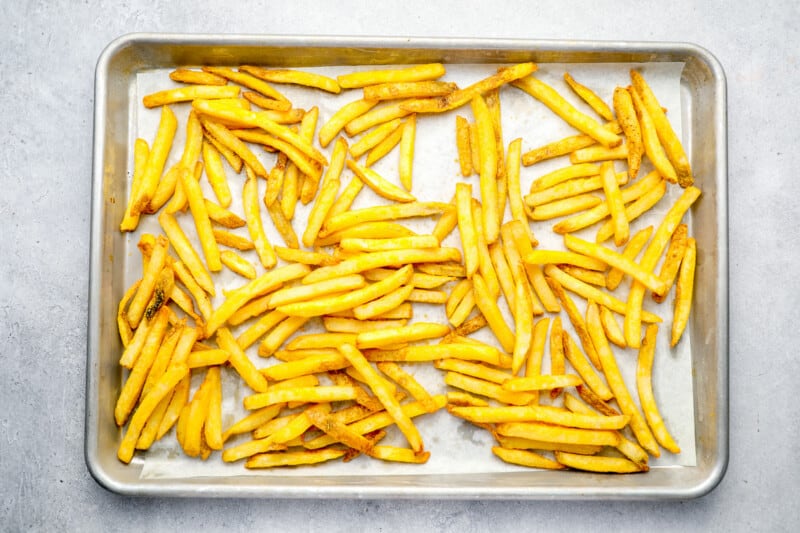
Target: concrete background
49,50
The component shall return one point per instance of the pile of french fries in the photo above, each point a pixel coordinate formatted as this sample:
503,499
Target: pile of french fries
360,272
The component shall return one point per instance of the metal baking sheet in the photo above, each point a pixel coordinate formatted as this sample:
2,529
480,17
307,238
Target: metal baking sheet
702,109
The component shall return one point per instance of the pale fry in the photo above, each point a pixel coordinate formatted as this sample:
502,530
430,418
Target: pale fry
684,291
611,327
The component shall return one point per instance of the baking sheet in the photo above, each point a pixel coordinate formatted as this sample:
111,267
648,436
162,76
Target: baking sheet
456,447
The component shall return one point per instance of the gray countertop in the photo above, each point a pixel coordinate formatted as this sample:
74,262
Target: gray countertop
46,91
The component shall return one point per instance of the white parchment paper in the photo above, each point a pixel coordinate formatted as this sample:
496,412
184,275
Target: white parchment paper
455,446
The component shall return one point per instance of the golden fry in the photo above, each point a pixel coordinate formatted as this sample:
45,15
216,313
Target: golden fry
413,209
626,114
672,260
407,142
652,146
632,249
684,290
189,93
357,80
590,97
296,77
157,157
238,264
255,227
487,169
197,77
463,146
379,184
526,458
597,463
644,385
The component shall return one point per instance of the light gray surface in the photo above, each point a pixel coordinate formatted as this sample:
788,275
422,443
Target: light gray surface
47,64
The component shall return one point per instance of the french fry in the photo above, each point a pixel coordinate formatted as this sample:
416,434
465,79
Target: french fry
645,387
536,413
484,261
526,458
374,137
467,352
238,264
246,80
463,146
633,309
457,294
343,116
271,460
576,320
386,112
375,260
156,158
388,337
538,382
487,169
197,77
202,223
488,307
266,253
418,279
593,293
626,114
634,210
616,383
523,311
399,455
590,97
240,362
378,386
546,257
232,240
321,340
407,141
596,153
330,304
617,260
230,156
652,147
672,259
569,189
476,370
305,257
295,77
514,191
592,277
308,365
632,249
582,170
412,209
133,385
551,433
548,96
320,211
475,153
223,217
279,334
385,303
466,227
379,184
179,398
615,205
385,146
355,326
611,328
460,97
189,93
464,399
487,389
125,332
232,141
425,72
596,463
564,207
409,89
216,174
564,146
684,291
208,358
669,140
409,383
301,293
330,393
557,366
442,269
520,443
141,152
145,290
164,386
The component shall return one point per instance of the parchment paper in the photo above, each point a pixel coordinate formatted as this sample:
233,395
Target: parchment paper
455,446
